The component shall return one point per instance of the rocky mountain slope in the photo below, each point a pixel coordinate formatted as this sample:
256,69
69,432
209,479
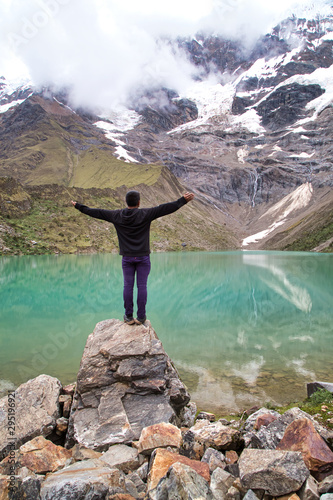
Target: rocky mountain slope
252,137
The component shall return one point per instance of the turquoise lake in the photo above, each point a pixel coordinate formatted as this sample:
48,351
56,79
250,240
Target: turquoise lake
243,328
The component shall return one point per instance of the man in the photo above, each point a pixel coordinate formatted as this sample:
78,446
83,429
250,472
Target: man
133,227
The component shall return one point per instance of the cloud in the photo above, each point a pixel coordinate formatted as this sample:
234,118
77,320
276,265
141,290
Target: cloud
104,49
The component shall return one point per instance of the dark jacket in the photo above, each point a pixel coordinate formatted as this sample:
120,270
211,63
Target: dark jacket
133,224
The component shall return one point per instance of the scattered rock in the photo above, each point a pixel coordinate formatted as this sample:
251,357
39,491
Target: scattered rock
250,495
276,472
27,486
231,457
61,425
159,435
313,387
187,414
40,456
301,436
122,457
264,420
162,461
309,490
81,453
204,435
326,486
221,482
36,411
252,419
204,415
326,496
126,382
214,459
78,480
181,481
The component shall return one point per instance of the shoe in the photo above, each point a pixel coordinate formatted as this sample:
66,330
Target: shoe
129,320
140,321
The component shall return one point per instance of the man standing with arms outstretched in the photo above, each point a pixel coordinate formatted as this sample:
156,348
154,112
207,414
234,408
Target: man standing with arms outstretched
133,228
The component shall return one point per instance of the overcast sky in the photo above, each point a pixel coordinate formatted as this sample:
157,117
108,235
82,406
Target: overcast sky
102,49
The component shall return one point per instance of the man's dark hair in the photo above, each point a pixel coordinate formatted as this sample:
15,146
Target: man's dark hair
132,198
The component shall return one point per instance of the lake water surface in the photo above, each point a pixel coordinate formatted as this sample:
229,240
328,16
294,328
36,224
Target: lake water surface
243,328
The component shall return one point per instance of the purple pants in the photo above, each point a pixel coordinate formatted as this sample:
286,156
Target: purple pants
140,266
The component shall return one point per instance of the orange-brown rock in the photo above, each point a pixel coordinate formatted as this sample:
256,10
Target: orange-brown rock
264,420
163,460
292,496
301,436
40,456
231,457
159,435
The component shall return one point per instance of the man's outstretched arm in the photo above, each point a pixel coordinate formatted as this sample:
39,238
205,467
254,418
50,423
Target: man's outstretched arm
168,208
97,213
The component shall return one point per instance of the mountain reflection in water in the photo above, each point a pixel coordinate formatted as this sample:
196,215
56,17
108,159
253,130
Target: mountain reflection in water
242,328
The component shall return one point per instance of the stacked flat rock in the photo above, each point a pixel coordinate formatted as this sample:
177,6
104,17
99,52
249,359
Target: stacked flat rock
126,382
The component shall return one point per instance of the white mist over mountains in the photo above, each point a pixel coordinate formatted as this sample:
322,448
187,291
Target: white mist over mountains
102,50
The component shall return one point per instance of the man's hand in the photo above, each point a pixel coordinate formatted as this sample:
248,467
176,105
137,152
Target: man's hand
188,197
73,203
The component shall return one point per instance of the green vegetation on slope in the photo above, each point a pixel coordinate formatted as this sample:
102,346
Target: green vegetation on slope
50,224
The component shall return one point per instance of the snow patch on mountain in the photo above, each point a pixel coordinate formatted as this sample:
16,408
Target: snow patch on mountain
6,107
211,99
296,200
118,123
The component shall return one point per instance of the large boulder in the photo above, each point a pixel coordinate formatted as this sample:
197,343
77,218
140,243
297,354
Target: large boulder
181,481
87,479
36,410
126,382
276,472
38,455
160,435
301,436
163,459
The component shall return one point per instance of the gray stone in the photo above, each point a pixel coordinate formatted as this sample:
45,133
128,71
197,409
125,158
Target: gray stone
250,495
82,480
309,490
142,471
204,415
122,457
251,420
181,482
326,486
233,494
221,481
205,435
276,472
313,387
326,496
126,382
214,459
137,481
188,414
36,411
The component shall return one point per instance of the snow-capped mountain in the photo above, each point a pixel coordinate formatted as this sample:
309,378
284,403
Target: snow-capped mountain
252,136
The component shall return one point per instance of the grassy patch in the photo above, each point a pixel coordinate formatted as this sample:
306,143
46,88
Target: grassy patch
319,405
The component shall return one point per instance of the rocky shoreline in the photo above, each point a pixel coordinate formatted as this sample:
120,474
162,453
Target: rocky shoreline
128,430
